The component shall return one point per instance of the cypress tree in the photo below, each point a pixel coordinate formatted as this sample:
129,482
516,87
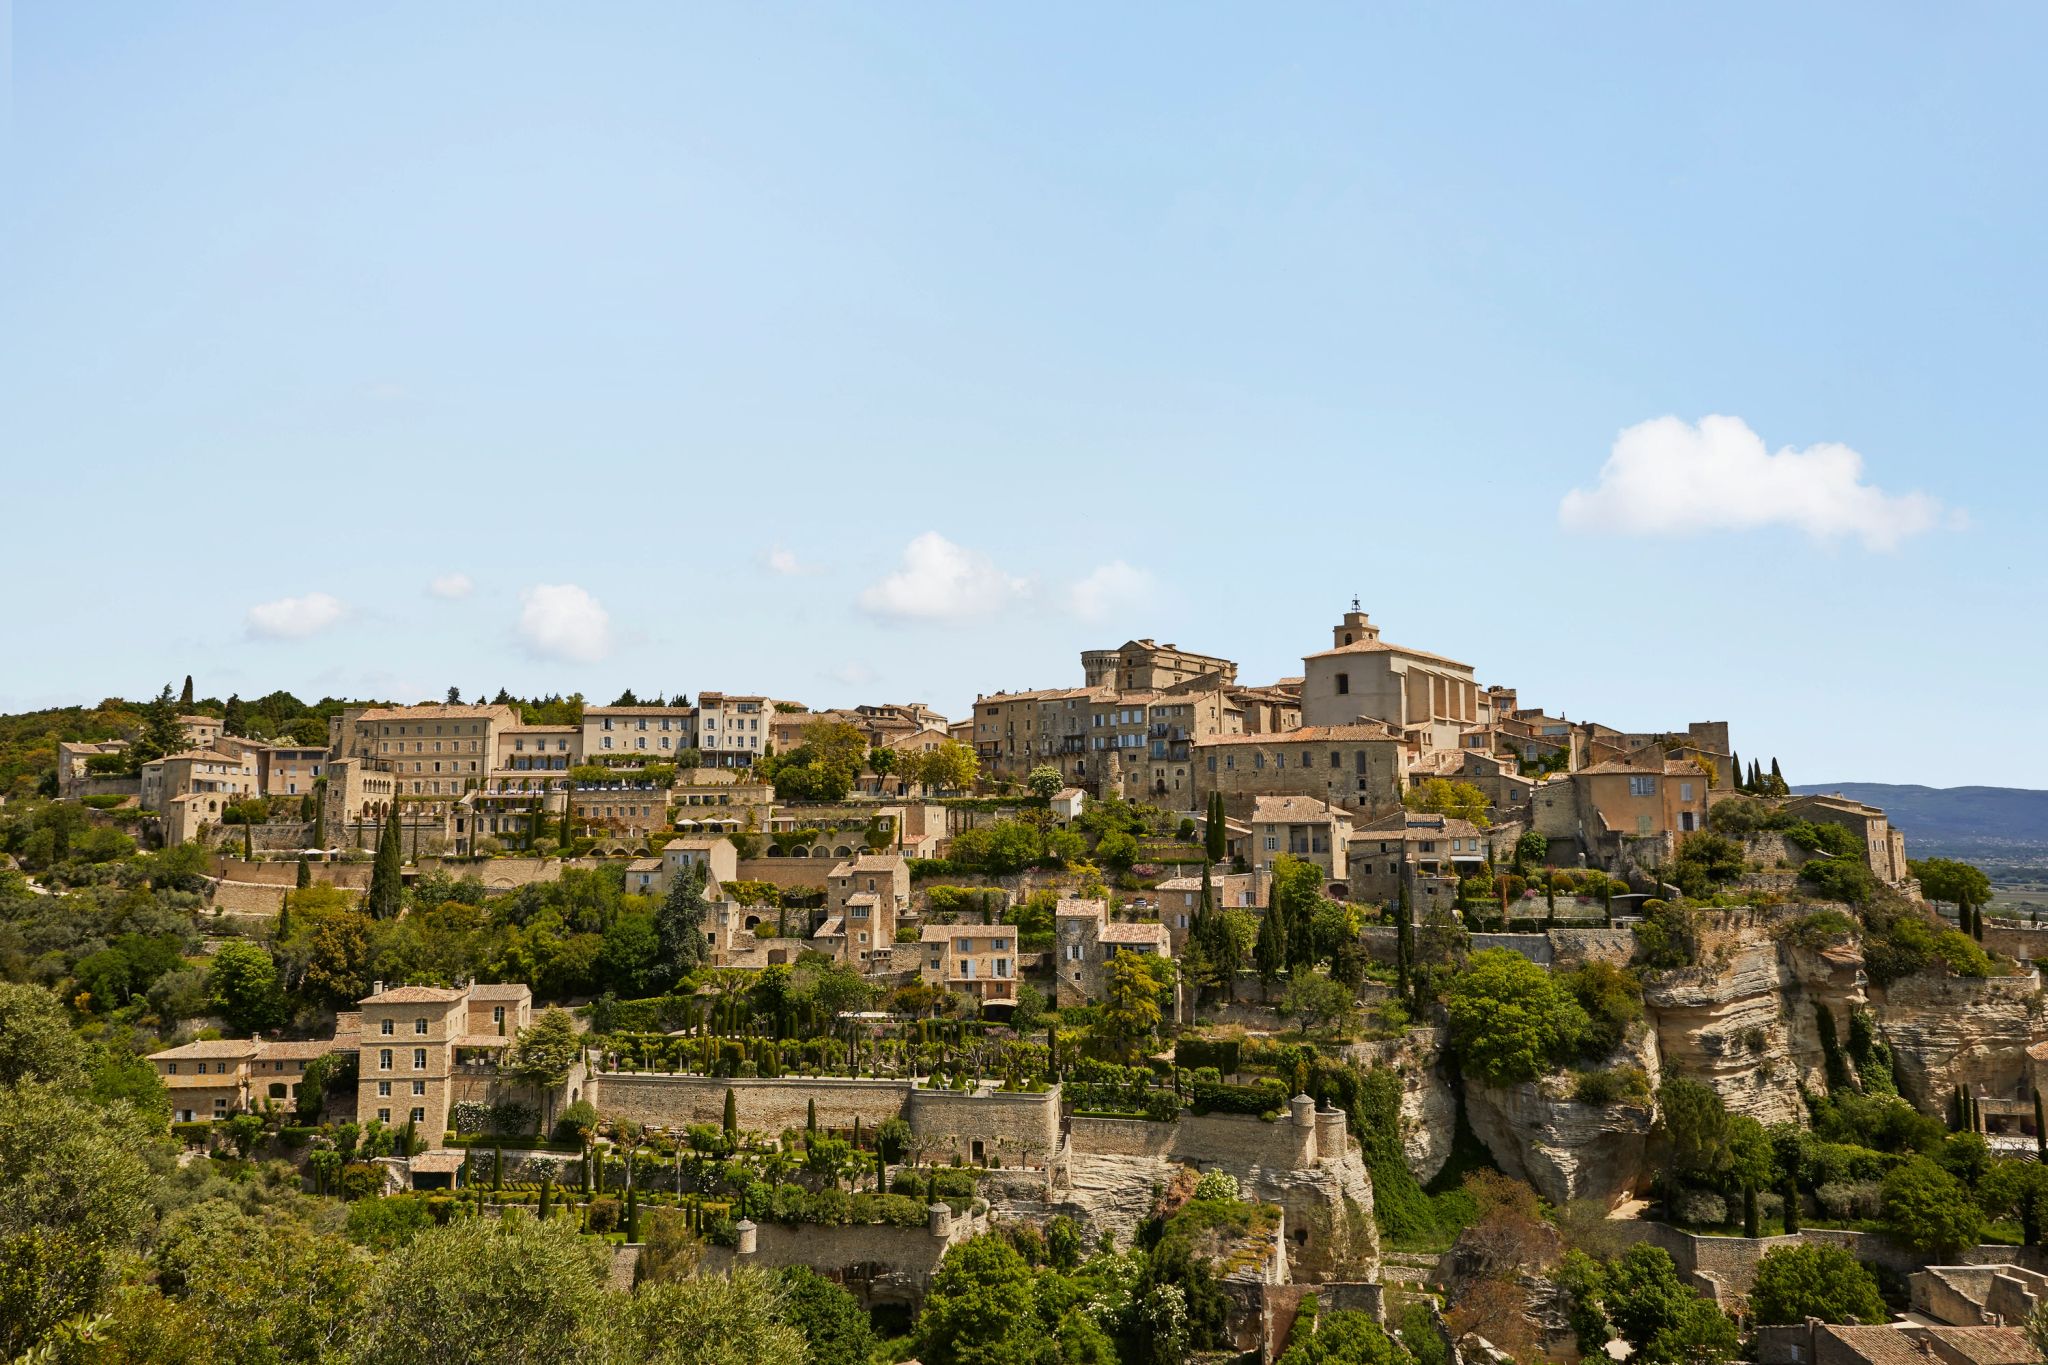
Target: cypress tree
1752,1216
387,880
1404,945
305,877
498,1168
732,1114
1791,1205
248,838
185,697
1269,953
2040,1128
547,1194
1735,766
1215,837
1778,787
568,822
320,816
632,1206
810,1118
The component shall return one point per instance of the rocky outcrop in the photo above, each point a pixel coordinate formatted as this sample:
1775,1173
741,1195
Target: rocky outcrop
1565,1149
1947,1031
1113,1169
1429,1100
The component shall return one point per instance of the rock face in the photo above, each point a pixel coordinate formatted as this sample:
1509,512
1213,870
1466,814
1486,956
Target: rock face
1112,1169
1956,1030
1429,1100
1565,1149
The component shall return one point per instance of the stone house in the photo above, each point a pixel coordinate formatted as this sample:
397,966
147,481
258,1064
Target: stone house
1180,899
732,730
865,898
224,1076
1086,939
1632,809
977,959
1429,853
1884,848
1301,826
422,1048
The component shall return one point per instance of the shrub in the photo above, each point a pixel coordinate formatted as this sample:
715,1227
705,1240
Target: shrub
1794,1283
1216,1185
1849,1200
603,1214
1511,1020
1700,1208
1212,1097
1613,1085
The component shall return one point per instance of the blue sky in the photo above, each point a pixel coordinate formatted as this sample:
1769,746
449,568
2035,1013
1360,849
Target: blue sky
861,352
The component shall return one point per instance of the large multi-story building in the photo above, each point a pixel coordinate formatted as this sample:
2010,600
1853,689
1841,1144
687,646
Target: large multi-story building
1358,766
1428,698
865,898
732,731
417,1045
653,733
975,959
224,1076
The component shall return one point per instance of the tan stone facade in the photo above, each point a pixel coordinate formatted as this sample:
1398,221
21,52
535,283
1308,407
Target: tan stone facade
976,959
1358,767
1426,697
418,1044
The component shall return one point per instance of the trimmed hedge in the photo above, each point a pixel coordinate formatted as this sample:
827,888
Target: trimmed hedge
1213,1097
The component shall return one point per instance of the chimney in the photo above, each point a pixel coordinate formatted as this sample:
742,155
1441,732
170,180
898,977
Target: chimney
378,987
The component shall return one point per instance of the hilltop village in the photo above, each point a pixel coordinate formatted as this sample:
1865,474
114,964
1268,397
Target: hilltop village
1363,1014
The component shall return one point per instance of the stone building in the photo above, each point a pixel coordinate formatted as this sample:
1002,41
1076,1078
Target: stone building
1884,848
654,733
1180,898
225,1076
1428,698
732,730
1303,827
865,898
1086,939
1428,853
1631,810
1358,767
976,959
421,1046
1143,666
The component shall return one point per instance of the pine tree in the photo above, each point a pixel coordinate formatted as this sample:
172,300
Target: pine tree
387,878
455,696
235,716
161,732
305,877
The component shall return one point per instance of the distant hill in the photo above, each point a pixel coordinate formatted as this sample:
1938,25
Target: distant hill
1958,822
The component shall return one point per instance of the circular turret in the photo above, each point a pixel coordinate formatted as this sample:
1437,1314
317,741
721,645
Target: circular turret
748,1236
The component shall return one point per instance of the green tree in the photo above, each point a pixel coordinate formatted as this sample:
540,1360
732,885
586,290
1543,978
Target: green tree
1794,1283
679,924
1441,796
36,1041
547,1049
1509,1019
161,731
735,1319
1530,850
242,987
950,766
1130,1012
971,1313
487,1289
1928,1209
1044,781
1653,1311
1315,1001
835,1326
1117,849
1951,881
78,1190
305,874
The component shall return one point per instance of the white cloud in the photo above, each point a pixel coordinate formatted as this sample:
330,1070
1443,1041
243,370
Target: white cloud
1667,476
295,618
784,562
452,586
853,674
1111,588
561,621
941,581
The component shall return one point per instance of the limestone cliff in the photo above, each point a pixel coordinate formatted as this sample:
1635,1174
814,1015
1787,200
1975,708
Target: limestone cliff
1112,1170
1947,1031
1429,1100
1565,1149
